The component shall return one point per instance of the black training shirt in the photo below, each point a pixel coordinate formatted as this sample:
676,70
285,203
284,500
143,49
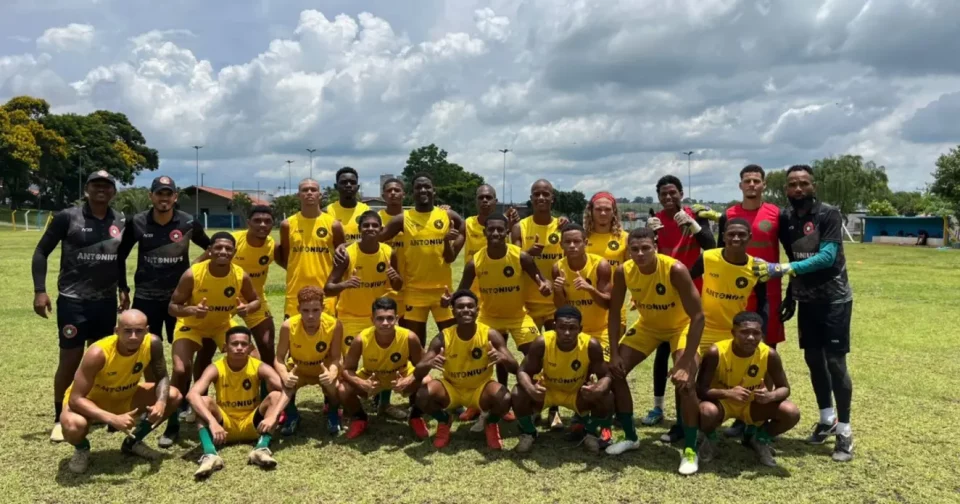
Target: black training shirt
801,237
88,254
162,255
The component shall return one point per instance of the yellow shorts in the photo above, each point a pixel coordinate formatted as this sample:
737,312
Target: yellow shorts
256,318
351,329
712,336
604,338
306,375
363,374
399,298
540,312
646,341
562,399
197,335
109,405
240,429
290,306
422,302
466,397
523,331
737,410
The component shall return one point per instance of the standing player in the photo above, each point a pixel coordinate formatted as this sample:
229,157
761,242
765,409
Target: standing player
348,209
466,354
308,353
392,193
583,280
237,414
255,253
682,233
562,360
88,279
539,236
670,312
388,354
163,235
475,225
434,237
107,389
307,241
731,385
606,237
811,233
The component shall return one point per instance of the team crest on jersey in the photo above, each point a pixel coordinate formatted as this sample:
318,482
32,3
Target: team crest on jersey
321,346
508,271
409,308
438,224
247,385
808,228
114,231
176,235
137,367
765,225
661,289
395,357
753,370
69,331
575,365
741,282
322,232
263,260
381,267
613,245
554,238
229,291
476,353
632,331
348,340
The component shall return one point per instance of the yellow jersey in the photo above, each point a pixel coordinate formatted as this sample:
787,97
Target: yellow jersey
594,316
255,261
610,247
308,351
467,364
349,219
310,258
385,361
117,381
726,289
238,392
500,285
397,243
549,237
565,371
372,270
747,372
475,241
221,293
425,232
658,301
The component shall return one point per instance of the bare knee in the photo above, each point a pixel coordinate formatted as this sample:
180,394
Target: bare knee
710,415
74,426
175,398
788,413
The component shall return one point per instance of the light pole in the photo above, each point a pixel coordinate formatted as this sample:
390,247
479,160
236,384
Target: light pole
289,180
80,172
311,151
689,184
201,178
196,194
503,187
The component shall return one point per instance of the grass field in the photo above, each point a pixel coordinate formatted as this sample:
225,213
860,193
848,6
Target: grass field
906,407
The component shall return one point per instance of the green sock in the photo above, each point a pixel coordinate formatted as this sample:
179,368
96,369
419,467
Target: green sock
206,442
763,436
143,428
690,437
291,409
626,423
605,422
264,441
492,418
590,424
712,436
442,417
83,445
385,398
526,425
749,431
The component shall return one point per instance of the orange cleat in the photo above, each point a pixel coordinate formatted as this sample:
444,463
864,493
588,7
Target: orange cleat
419,428
509,417
357,427
442,437
492,431
469,415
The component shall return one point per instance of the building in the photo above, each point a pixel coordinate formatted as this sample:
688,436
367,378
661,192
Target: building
215,205
905,230
385,177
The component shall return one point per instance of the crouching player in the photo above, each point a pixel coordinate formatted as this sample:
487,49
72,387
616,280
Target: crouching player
731,385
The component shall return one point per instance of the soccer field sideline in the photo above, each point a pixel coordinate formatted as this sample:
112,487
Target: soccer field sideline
904,406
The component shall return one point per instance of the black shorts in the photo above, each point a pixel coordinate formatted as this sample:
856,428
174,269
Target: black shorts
158,316
83,322
824,326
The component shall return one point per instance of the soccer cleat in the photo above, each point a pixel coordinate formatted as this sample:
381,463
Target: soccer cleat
591,443
556,423
56,435
262,457
689,462
606,438
526,443
357,427
735,430
333,425
821,432
290,425
419,428
494,441
843,450
621,447
79,462
653,417
479,424
673,435
707,450
393,412
469,414
576,432
191,416
208,464
168,438
764,451
442,438
134,447
510,417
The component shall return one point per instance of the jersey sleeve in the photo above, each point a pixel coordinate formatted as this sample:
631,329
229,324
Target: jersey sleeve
54,234
831,226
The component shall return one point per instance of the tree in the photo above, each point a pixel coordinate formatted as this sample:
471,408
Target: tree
946,179
454,186
285,206
935,205
776,190
570,204
623,200
241,204
907,203
132,200
24,143
881,208
330,195
848,183
648,200
638,199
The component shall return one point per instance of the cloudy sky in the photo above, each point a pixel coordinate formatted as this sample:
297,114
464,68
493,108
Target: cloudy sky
591,94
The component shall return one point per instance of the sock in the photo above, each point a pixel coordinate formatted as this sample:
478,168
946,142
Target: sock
828,416
385,397
712,436
626,423
690,437
749,431
264,441
679,413
492,418
844,429
415,412
292,411
577,419
658,402
143,428
590,424
763,436
206,441
83,445
442,417
361,415
333,416
263,389
173,423
57,409
526,425
605,422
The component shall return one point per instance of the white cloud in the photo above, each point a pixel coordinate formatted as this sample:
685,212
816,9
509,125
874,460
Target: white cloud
491,25
74,38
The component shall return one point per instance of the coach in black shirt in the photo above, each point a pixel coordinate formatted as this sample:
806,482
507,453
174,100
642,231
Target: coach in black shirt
163,235
87,284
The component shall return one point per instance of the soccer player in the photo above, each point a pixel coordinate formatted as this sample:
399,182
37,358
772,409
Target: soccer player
392,193
388,354
107,389
204,302
682,233
606,237
730,384
475,225
466,354
348,209
562,360
255,252
88,279
539,236
307,242
669,307
308,353
163,235
583,280
434,237
237,414
811,234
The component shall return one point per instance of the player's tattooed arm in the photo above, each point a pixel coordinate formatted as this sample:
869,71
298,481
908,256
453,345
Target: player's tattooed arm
158,367
529,266
55,232
181,296
281,252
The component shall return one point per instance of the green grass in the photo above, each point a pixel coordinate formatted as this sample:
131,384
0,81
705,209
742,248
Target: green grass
905,410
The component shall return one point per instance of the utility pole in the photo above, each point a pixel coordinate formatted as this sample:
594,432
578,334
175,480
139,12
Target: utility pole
196,194
689,183
311,151
503,187
289,180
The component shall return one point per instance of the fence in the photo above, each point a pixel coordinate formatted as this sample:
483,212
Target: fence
25,219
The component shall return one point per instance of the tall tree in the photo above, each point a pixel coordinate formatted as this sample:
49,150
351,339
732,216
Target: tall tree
241,204
570,204
132,200
882,208
848,183
24,143
776,191
454,185
946,179
285,206
908,203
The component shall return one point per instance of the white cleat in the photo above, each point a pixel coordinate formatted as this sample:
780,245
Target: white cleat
689,462
621,447
208,464
56,435
480,424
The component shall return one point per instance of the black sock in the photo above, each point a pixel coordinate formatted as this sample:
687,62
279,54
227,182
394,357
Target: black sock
819,376
660,369
361,415
415,412
842,384
57,409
